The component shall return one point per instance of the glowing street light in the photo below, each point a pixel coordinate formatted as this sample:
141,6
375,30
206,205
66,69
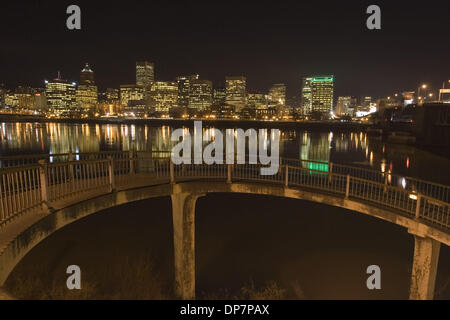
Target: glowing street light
423,86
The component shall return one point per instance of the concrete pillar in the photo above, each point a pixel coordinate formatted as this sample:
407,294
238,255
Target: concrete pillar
424,271
183,214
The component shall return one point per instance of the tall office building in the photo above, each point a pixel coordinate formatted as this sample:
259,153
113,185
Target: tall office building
219,97
277,94
87,92
236,92
145,74
306,103
200,94
322,92
61,95
165,95
87,75
183,91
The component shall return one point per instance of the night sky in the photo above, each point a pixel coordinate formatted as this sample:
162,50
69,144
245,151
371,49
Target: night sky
267,41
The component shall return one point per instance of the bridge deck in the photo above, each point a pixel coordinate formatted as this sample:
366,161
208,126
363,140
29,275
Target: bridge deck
26,193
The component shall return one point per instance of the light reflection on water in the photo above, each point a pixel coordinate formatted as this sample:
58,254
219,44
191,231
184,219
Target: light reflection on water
354,148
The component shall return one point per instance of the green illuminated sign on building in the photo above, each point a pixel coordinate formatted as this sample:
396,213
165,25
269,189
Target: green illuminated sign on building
323,79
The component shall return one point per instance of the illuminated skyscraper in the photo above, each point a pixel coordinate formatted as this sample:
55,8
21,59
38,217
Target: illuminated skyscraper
322,92
87,75
145,74
236,92
277,94
87,92
183,91
61,95
164,95
306,96
219,97
200,94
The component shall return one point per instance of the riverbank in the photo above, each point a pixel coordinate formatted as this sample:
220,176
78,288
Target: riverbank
221,123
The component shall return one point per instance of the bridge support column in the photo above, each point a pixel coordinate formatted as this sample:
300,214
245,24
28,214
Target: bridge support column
424,270
183,214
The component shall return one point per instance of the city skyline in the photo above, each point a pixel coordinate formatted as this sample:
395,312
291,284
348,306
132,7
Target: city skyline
267,47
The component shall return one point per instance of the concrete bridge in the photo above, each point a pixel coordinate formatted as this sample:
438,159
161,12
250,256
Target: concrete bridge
38,199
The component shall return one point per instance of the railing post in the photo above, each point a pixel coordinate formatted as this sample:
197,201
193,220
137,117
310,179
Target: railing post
286,176
131,156
347,189
112,179
43,180
418,205
172,172
71,174
330,172
385,182
229,170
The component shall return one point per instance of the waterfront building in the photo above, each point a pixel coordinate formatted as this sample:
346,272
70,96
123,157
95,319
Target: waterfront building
277,94
257,100
236,92
322,93
183,91
87,75
219,97
145,73
200,94
343,106
130,92
61,95
87,92
164,95
306,101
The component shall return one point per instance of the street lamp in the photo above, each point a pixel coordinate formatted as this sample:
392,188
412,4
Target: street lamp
424,86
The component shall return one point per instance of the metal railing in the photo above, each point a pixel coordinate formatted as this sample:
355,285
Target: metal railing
414,185
25,188
20,190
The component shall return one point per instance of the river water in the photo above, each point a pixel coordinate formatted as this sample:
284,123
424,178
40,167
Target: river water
309,250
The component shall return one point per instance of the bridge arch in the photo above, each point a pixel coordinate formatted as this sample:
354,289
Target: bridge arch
184,196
